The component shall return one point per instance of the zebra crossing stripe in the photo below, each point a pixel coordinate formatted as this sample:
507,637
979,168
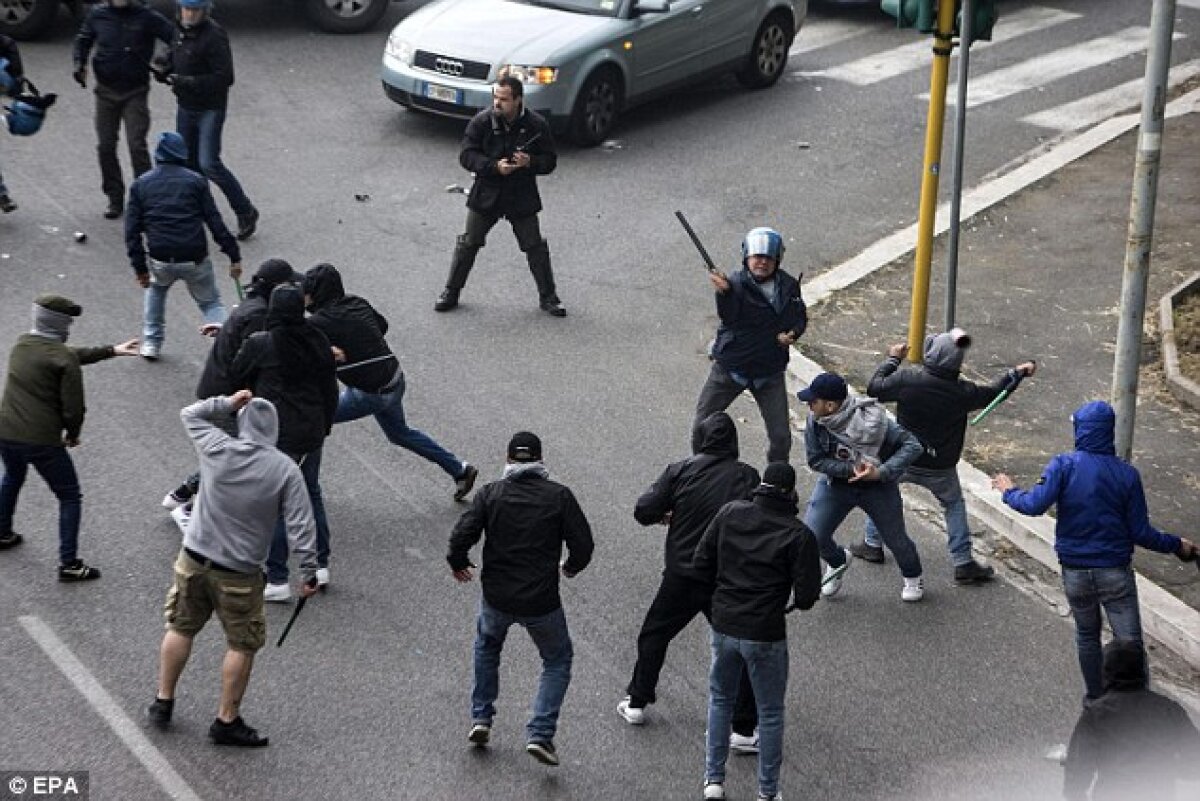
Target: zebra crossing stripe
1049,67
817,34
1089,110
916,55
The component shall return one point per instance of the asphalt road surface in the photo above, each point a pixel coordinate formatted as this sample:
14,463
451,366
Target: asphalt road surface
955,697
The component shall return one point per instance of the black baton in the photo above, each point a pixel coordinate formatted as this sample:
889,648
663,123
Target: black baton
295,614
712,268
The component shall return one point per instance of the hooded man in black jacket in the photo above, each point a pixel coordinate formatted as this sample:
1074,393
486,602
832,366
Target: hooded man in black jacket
527,519
933,403
1131,742
123,33
506,147
686,497
374,382
759,555
199,69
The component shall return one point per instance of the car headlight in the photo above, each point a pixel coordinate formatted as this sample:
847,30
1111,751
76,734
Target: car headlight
399,49
532,75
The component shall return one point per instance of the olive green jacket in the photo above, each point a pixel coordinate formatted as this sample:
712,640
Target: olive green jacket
43,393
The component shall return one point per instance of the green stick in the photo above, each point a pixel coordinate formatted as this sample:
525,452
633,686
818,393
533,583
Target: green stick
999,399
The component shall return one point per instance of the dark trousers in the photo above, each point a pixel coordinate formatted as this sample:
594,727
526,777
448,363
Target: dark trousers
277,559
54,465
720,390
529,240
677,603
113,108
201,131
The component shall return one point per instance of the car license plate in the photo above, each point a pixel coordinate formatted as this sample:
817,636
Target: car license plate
442,93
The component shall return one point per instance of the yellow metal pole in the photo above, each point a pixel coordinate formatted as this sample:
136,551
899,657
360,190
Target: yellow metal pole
943,43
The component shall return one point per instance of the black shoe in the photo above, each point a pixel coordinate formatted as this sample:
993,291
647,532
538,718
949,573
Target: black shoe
247,224
6,204
236,733
447,300
464,482
543,751
10,540
868,553
115,209
160,711
973,573
481,734
553,307
77,571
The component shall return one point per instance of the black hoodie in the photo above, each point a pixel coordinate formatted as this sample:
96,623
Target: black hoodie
694,489
1132,741
353,325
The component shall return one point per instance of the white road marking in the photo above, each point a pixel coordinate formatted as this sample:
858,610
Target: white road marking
1087,111
108,709
1189,3
1049,67
816,34
916,55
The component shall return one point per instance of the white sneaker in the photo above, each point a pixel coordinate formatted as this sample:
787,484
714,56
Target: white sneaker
277,593
914,589
149,351
634,716
777,797
714,791
322,577
741,744
182,515
831,579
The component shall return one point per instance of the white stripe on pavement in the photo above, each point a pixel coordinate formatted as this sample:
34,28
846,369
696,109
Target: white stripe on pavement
916,55
816,34
1092,109
108,709
1189,3
1049,67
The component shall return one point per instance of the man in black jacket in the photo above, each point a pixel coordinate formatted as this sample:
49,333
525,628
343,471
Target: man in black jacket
758,554
199,69
11,78
374,382
247,317
1131,742
762,316
527,519
686,497
169,207
506,148
123,33
933,403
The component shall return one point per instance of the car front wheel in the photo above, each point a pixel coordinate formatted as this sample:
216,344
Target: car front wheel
768,53
345,16
596,108
25,19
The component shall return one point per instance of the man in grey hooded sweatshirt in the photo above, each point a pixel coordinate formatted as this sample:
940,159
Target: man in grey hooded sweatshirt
934,402
246,484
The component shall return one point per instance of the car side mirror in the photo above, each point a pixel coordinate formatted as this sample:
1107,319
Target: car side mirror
651,6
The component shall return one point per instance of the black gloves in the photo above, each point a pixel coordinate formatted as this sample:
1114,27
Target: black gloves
80,76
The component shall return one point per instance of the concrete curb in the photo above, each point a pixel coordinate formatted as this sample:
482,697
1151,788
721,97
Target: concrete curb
1165,619
1182,387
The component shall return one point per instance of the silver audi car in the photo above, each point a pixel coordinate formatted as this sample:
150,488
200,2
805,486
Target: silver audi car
582,61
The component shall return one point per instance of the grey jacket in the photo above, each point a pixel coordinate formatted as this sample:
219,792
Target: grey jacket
246,484
826,454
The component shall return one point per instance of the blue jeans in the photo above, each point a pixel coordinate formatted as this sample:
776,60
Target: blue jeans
549,634
767,664
277,559
201,283
831,501
201,132
943,483
54,465
388,409
1088,590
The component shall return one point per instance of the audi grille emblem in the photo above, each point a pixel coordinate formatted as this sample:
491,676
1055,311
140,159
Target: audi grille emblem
448,66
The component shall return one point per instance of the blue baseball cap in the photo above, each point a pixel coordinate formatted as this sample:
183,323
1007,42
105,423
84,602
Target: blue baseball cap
826,386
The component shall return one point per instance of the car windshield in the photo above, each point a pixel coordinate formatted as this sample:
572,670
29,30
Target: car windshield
602,8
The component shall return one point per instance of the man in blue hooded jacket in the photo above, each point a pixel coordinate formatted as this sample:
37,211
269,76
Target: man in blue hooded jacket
168,210
1101,516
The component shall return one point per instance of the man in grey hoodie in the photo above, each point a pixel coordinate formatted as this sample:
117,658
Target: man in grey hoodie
246,484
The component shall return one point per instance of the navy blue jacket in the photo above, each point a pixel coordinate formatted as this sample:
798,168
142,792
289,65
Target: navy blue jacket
1101,505
170,205
746,339
124,41
201,66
